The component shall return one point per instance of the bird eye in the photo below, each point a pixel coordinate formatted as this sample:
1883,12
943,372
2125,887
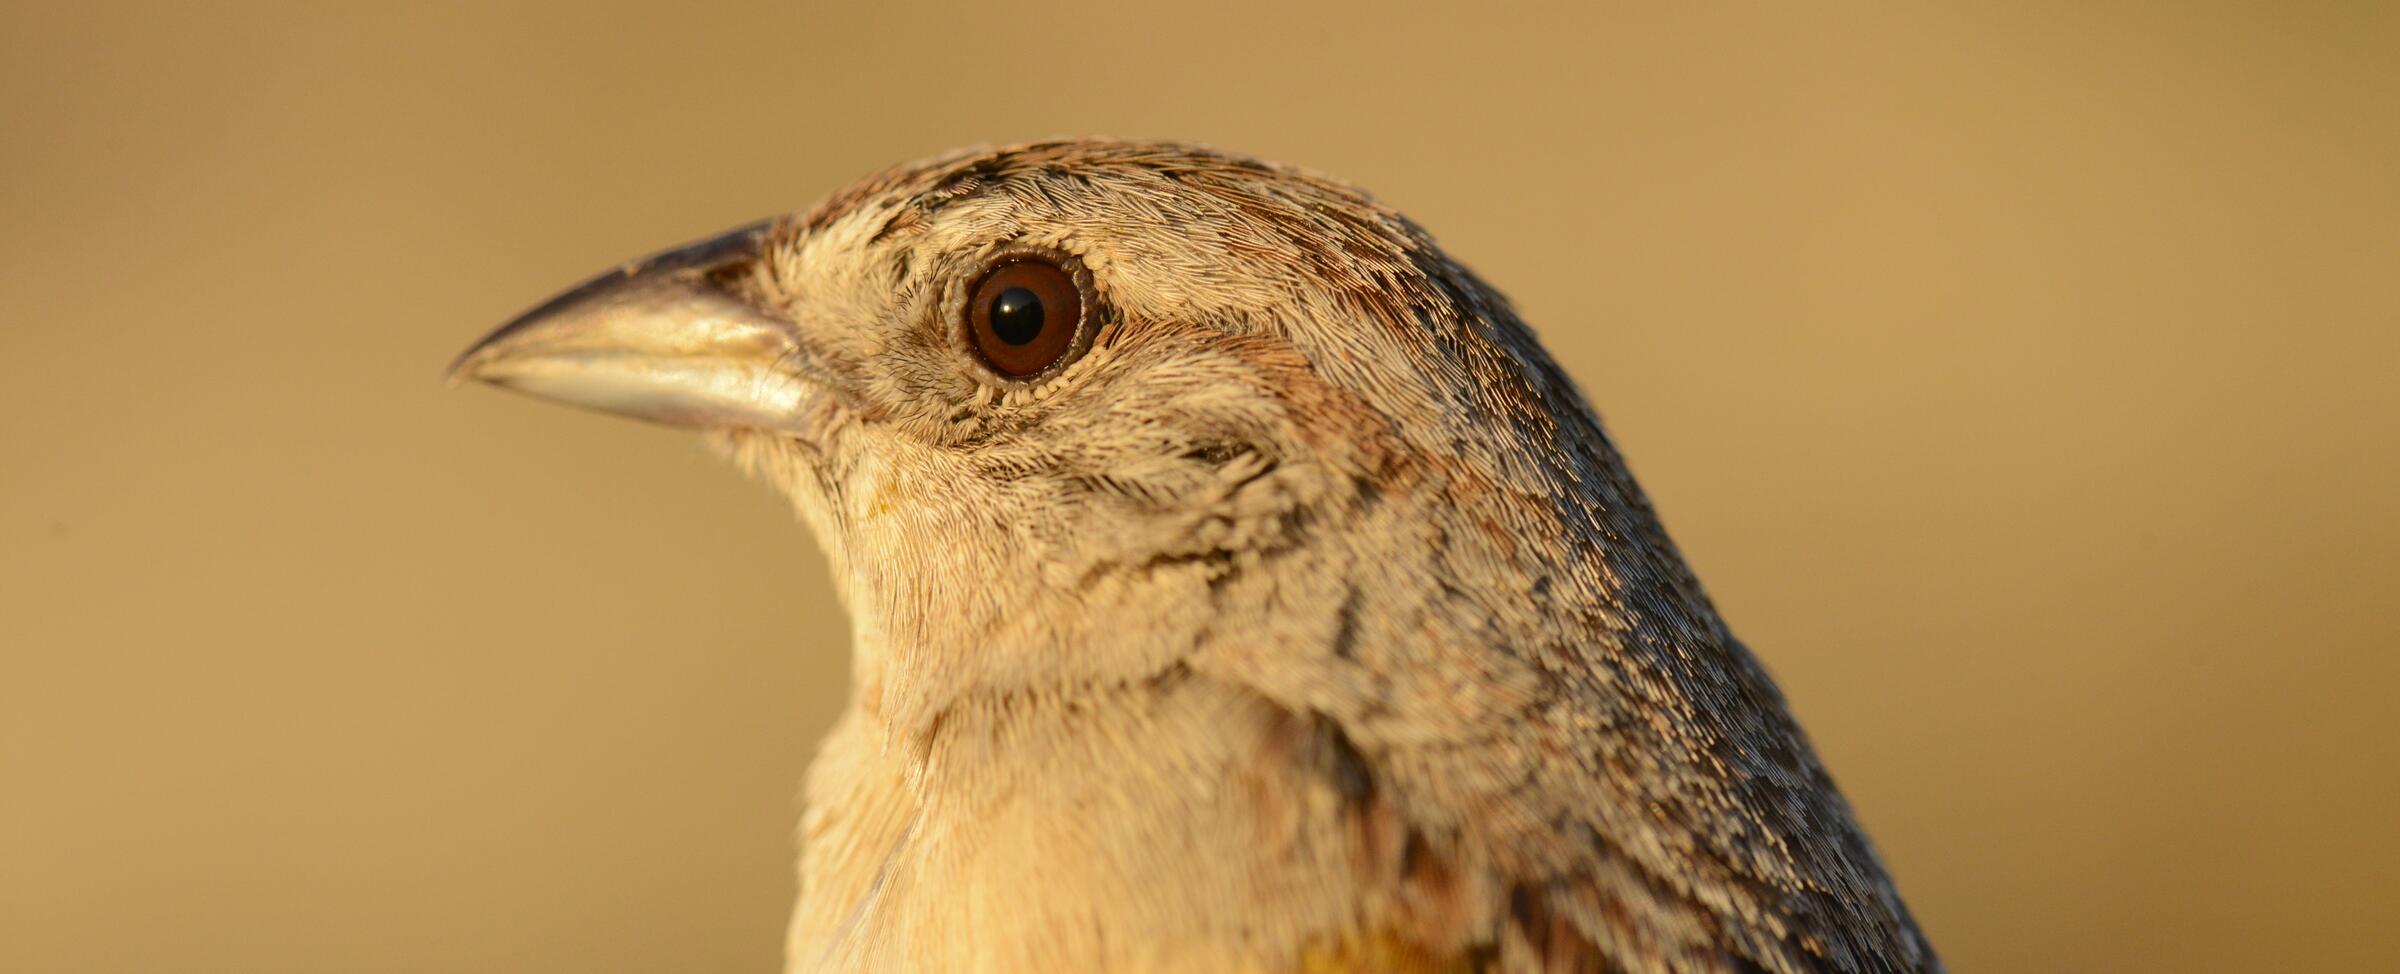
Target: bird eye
1023,315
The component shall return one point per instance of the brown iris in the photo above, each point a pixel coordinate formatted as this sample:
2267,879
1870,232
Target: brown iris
1023,315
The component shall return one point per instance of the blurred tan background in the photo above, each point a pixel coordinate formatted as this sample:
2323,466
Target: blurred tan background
2023,382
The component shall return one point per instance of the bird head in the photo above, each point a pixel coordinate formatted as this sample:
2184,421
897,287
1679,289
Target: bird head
1059,411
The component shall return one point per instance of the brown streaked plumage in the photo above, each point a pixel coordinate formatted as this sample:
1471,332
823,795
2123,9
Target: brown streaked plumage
1306,622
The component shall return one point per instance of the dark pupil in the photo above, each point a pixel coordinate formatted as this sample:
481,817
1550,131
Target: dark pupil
1017,316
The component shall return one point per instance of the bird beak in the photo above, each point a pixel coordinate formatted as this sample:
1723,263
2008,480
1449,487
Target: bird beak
665,339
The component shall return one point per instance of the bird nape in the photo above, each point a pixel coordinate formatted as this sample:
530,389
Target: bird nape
1237,586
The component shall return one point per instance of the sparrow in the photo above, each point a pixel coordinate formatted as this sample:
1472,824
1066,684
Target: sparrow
1235,584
